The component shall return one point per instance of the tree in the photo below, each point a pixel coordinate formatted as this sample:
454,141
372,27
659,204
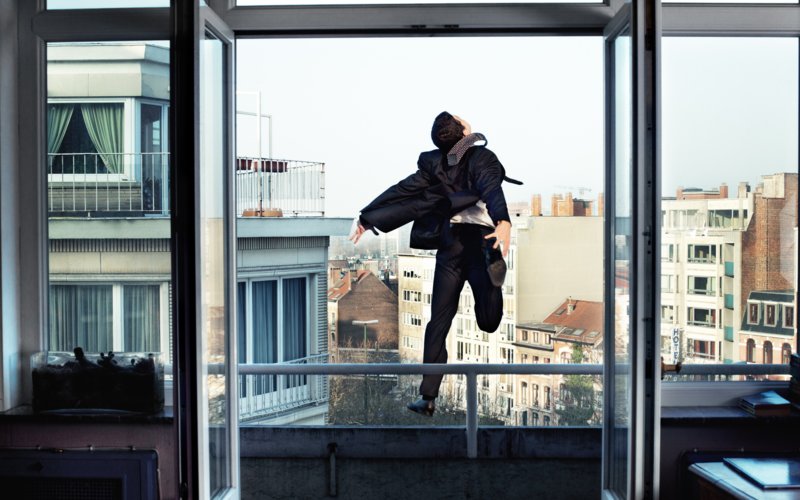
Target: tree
373,400
577,399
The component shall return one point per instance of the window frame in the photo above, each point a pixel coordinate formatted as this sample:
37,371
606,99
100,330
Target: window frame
774,306
25,327
130,115
750,320
251,277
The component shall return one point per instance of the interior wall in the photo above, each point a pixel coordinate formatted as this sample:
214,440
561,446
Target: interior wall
82,432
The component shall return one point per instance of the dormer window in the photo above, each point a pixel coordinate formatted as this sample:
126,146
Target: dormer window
752,313
769,314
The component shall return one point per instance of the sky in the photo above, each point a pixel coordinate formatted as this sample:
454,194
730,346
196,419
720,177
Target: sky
364,107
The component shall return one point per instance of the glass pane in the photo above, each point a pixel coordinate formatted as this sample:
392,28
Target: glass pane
729,199
622,148
108,214
212,256
380,292
104,4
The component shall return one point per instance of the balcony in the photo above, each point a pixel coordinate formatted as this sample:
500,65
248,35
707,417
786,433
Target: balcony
108,185
280,188
91,185
729,333
268,397
729,269
728,301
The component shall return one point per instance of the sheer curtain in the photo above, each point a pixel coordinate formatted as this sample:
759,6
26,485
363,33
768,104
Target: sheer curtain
294,319
58,117
104,124
294,324
241,331
80,316
265,330
142,318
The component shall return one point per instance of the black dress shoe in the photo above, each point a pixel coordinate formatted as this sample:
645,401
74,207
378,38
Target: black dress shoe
423,407
495,265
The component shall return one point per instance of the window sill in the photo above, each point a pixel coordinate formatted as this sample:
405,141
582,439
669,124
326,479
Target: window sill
24,413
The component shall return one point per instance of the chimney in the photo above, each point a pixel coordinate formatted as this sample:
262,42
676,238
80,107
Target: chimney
723,191
679,193
570,306
536,205
744,188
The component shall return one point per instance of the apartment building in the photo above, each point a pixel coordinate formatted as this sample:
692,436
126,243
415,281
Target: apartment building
547,256
572,333
110,267
716,253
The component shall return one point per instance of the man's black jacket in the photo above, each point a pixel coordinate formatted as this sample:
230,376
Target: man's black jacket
436,192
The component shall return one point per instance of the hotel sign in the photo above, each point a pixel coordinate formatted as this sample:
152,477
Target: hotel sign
676,345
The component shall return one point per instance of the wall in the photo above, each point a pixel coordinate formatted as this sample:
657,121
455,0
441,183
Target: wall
402,479
558,257
81,432
769,244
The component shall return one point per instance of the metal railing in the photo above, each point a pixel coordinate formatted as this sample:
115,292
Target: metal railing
473,370
267,395
274,187
111,184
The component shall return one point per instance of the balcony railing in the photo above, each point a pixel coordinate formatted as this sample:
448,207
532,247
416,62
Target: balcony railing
729,301
265,396
137,184
280,187
115,184
473,370
729,269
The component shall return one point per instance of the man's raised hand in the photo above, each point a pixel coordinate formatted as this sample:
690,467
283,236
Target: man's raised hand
502,233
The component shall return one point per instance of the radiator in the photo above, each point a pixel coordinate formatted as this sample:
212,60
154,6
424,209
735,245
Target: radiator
79,474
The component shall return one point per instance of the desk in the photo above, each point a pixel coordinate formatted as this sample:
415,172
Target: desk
715,480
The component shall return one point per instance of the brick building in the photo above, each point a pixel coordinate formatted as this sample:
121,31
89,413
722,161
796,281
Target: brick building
368,298
769,245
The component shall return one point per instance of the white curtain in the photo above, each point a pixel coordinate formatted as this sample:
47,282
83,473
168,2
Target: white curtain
104,124
80,316
142,318
58,118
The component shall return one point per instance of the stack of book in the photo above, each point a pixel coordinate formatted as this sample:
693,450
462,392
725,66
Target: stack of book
766,404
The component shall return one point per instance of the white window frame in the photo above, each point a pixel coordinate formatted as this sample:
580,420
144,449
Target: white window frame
758,314
249,278
130,114
775,308
117,308
788,316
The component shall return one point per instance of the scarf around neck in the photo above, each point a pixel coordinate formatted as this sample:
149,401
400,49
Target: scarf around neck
460,148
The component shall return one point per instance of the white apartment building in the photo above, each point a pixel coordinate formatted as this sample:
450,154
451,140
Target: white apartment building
550,258
109,230
701,254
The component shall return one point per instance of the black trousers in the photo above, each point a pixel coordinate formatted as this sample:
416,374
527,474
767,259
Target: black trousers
463,259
